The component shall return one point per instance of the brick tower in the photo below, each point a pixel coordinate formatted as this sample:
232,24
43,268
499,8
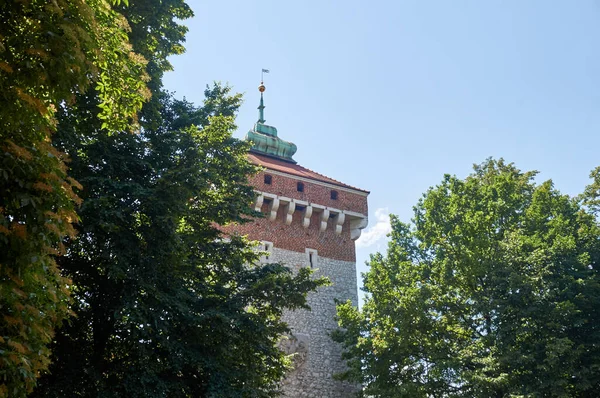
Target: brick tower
311,221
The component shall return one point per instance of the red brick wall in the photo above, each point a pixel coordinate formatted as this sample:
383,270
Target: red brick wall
297,238
315,193
294,236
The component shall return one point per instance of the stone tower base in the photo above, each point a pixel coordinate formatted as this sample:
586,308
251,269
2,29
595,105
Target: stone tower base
317,356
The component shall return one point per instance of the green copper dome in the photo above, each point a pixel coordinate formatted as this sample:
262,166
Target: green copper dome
264,137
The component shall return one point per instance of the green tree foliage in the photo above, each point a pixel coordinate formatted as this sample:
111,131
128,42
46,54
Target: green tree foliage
492,291
167,305
591,196
49,52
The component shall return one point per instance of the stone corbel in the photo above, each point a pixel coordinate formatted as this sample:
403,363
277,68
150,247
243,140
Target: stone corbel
306,215
324,219
259,202
338,221
273,208
356,226
288,212
306,212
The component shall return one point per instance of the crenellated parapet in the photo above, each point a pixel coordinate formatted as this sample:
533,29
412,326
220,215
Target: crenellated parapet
341,219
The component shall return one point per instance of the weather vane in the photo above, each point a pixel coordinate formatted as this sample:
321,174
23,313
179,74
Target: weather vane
262,74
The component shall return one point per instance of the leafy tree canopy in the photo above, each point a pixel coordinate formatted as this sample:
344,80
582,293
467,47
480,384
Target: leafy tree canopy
167,305
51,52
492,291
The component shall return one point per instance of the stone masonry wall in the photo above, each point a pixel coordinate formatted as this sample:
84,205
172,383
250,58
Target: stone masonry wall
318,357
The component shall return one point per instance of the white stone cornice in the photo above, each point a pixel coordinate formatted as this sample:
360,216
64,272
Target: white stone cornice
353,214
300,202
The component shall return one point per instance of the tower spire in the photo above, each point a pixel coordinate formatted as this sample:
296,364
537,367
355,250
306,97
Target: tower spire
261,88
261,107
264,138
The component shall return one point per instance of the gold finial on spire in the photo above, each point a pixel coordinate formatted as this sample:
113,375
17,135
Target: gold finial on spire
262,87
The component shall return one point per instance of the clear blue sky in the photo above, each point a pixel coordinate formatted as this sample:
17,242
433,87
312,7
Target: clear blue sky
391,95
